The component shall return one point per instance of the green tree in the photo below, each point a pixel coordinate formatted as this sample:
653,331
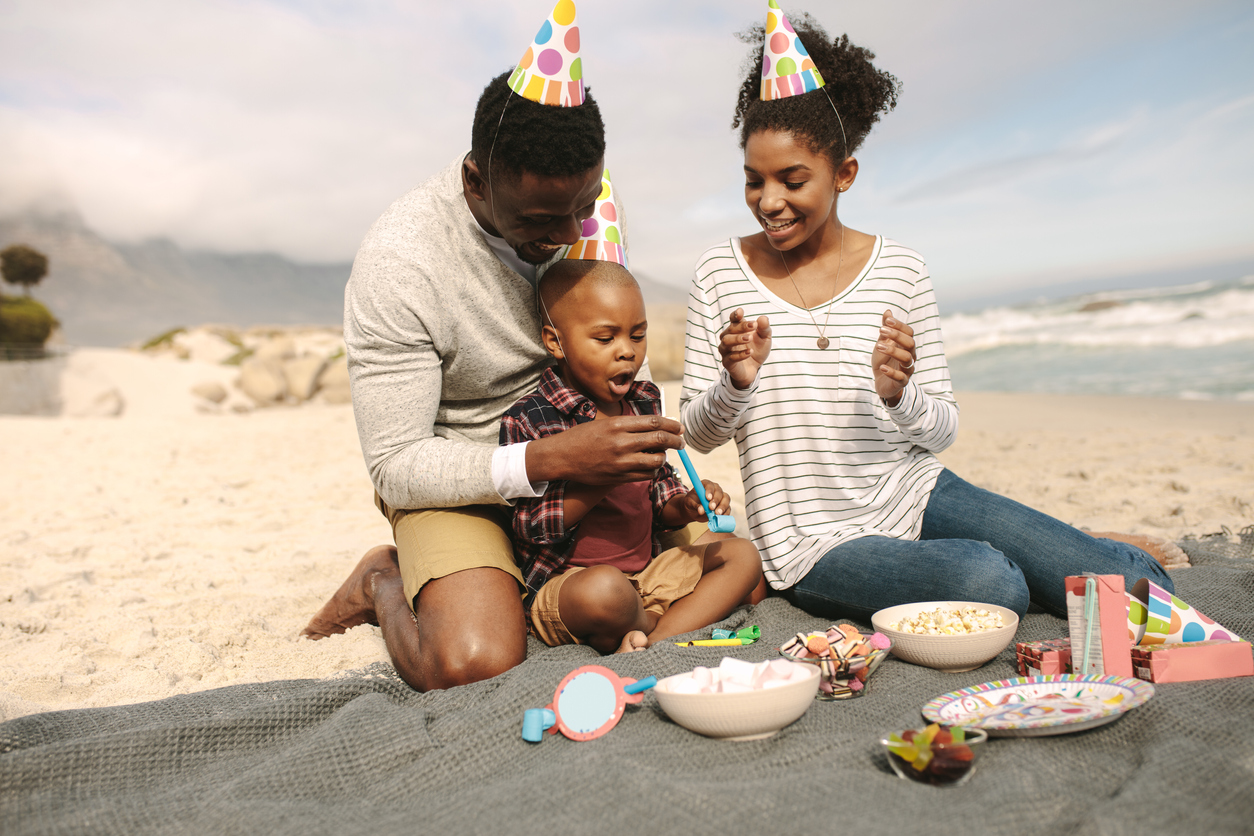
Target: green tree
22,265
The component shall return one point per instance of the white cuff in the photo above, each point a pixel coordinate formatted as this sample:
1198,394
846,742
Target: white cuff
509,473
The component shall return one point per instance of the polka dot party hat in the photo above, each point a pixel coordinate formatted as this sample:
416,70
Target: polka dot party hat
551,71
787,69
602,237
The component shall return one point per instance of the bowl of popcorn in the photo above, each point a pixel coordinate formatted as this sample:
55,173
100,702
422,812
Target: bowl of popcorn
739,700
950,636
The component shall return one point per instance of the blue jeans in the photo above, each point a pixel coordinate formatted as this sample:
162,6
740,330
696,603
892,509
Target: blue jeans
974,546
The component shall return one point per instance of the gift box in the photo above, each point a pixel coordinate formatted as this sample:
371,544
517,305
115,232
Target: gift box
1044,658
1190,661
1097,613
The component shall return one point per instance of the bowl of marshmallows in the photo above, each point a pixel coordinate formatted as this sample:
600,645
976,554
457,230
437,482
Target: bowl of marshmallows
739,700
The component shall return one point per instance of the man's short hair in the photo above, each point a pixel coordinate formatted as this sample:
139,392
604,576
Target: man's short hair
547,140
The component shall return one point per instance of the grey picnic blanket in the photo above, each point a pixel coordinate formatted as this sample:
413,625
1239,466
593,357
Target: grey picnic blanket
364,753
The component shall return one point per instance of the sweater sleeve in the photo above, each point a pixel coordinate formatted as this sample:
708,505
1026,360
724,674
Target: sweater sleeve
710,407
396,376
927,413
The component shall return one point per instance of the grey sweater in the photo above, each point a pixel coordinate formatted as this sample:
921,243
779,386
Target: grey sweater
442,338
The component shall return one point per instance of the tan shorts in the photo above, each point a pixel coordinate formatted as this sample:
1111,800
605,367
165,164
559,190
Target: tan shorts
435,542
670,576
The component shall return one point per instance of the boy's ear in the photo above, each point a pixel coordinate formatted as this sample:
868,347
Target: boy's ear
553,345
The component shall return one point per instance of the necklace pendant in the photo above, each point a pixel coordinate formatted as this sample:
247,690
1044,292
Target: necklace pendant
823,342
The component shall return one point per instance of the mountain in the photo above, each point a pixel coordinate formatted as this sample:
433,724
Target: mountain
108,294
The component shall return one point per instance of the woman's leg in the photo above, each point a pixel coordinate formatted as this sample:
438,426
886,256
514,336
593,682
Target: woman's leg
857,578
1046,549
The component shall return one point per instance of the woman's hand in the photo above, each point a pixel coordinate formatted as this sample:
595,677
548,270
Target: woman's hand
744,346
892,360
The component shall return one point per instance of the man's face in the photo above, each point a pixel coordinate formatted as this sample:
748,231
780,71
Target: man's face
536,215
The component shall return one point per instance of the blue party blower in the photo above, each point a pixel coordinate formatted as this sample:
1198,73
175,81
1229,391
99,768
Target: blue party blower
719,523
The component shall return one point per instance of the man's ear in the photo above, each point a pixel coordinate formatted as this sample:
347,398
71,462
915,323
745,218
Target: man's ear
476,184
552,344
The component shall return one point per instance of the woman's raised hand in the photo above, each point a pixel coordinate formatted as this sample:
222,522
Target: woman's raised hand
744,346
892,360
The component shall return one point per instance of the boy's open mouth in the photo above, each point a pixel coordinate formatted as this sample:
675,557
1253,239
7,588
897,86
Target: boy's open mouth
621,382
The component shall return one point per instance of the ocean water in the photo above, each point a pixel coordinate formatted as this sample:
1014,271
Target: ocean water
1192,341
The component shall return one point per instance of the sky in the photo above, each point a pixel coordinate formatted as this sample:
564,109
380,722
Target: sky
1033,144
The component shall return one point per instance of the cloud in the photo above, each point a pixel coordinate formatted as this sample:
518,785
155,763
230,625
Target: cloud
289,126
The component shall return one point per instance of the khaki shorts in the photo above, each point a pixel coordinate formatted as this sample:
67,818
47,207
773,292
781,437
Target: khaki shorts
670,576
435,542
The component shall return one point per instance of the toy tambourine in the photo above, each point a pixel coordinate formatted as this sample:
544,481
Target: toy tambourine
587,704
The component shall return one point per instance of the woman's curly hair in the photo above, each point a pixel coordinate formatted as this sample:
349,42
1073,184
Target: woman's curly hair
859,91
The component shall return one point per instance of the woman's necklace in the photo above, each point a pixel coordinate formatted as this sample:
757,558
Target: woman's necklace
823,342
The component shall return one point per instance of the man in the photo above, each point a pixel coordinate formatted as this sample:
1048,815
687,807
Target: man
443,333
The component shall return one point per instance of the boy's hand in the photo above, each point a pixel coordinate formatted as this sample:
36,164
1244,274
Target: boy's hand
744,346
719,501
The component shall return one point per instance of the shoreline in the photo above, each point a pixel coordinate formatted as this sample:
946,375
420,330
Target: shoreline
165,551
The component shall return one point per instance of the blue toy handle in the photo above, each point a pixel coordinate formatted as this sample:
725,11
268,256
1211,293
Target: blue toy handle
696,481
536,721
722,523
639,685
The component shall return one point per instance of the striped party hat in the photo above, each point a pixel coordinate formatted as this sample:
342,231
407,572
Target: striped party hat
787,69
551,71
602,237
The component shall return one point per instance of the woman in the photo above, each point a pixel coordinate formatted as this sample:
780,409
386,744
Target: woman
818,349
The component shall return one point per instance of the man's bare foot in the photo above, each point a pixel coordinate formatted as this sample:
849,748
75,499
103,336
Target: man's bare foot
353,603
1167,553
633,642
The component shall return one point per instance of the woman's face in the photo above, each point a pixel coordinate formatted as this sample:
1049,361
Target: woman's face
790,189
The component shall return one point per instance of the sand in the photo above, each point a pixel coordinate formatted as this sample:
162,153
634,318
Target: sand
166,551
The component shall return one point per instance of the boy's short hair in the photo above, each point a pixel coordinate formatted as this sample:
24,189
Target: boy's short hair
565,274
859,90
547,140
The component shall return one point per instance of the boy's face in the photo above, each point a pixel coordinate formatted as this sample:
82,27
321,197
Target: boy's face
600,341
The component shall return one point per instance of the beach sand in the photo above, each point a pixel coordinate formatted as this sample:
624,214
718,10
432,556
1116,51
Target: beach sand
166,551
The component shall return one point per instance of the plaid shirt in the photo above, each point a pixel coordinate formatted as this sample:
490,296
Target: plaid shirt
542,542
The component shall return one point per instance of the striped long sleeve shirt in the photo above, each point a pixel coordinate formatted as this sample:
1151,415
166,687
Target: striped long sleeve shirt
823,459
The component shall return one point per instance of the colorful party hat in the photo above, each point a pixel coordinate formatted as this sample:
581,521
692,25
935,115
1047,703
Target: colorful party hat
787,69
602,237
551,71
1155,616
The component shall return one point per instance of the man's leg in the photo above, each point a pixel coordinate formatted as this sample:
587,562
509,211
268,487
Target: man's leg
458,563
1045,549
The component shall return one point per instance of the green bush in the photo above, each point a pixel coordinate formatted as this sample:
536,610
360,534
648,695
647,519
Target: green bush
25,322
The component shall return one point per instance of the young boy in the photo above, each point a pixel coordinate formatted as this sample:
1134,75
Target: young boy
590,554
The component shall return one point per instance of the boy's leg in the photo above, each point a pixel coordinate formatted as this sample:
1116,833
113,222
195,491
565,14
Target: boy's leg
597,606
453,581
730,571
1045,549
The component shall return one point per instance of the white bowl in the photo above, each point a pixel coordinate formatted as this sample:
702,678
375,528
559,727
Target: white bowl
748,715
946,653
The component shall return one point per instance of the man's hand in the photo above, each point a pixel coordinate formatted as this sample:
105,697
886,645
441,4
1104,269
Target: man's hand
608,451
744,346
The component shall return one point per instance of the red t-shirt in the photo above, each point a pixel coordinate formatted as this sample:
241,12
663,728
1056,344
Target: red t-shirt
617,531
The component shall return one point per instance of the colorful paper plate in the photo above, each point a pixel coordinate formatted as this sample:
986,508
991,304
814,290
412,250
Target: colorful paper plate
1033,706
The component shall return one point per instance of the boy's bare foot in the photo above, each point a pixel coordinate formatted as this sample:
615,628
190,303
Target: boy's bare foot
1161,549
633,642
353,603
